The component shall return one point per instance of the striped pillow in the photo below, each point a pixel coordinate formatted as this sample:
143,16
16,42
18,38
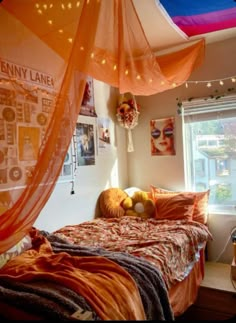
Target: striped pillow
22,245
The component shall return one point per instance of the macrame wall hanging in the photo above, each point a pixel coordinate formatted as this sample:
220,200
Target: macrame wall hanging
127,115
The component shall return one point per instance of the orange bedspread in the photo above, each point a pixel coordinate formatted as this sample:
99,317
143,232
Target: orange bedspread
109,289
172,246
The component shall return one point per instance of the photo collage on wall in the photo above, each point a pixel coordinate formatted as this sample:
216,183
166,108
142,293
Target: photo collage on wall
24,115
27,99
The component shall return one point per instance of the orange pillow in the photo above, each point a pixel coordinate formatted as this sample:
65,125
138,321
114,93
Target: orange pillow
200,212
110,202
174,207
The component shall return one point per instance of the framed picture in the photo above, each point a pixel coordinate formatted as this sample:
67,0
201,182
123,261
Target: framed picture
67,172
87,106
86,141
162,136
104,134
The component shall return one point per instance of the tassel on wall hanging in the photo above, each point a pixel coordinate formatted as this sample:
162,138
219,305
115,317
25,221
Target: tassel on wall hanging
127,115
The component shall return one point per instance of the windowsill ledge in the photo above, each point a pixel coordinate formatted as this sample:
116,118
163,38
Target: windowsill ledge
224,211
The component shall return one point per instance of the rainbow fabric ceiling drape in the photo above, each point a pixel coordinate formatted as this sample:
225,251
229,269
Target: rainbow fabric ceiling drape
100,38
202,16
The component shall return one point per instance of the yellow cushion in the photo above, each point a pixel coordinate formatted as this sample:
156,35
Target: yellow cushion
139,205
110,202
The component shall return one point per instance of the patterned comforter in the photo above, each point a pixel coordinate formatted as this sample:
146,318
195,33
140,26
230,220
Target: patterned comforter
172,246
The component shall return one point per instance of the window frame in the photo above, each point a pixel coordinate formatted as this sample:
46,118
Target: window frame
205,109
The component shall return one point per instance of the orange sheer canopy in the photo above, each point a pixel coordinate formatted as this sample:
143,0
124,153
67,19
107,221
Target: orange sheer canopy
100,38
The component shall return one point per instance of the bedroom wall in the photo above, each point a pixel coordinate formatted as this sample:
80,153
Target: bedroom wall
117,167
110,170
168,171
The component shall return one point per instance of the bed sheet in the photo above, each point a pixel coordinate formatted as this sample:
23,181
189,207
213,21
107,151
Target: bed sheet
171,245
183,294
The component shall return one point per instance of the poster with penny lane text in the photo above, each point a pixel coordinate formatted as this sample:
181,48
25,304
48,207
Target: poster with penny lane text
27,100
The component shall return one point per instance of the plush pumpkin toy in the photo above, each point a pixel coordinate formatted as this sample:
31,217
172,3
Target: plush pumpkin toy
139,205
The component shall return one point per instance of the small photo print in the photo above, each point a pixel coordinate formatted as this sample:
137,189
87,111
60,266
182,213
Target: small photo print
104,132
87,106
162,136
85,144
28,143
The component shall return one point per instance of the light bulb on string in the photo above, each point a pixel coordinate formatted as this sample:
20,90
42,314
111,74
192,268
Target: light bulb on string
209,83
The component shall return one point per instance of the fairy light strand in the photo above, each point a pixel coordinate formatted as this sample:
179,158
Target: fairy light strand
210,82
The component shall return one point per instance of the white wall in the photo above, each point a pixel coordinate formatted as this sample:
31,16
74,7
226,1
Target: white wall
168,171
110,170
221,247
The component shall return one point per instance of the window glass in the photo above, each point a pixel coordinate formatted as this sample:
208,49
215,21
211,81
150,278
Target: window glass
210,155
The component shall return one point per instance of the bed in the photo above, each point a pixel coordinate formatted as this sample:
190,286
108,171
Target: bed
117,266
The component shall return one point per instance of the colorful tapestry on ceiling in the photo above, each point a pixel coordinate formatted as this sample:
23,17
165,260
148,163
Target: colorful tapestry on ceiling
202,16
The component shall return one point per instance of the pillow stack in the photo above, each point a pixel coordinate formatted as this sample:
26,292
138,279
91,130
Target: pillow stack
180,205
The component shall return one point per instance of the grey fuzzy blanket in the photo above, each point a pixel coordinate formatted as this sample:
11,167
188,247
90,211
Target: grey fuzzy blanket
57,302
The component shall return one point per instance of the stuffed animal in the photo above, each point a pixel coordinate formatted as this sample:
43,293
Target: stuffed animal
139,205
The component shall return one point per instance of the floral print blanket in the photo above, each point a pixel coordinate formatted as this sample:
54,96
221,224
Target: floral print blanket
171,245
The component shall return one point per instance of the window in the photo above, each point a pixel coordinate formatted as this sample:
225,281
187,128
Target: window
209,128
222,167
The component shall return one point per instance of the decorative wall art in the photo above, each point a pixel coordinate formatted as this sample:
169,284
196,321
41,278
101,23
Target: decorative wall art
104,134
88,106
162,136
69,166
27,97
86,141
127,114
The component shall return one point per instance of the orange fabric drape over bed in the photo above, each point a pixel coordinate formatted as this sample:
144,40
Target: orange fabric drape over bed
100,38
108,288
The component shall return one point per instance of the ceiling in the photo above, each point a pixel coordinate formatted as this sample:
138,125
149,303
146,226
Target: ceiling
163,35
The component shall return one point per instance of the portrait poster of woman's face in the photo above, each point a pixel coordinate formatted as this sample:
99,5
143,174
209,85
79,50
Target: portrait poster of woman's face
162,136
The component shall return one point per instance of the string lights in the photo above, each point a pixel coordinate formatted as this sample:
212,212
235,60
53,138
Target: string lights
45,9
27,89
209,83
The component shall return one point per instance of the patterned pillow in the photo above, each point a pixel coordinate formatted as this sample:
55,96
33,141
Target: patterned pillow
174,207
22,245
200,212
110,201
